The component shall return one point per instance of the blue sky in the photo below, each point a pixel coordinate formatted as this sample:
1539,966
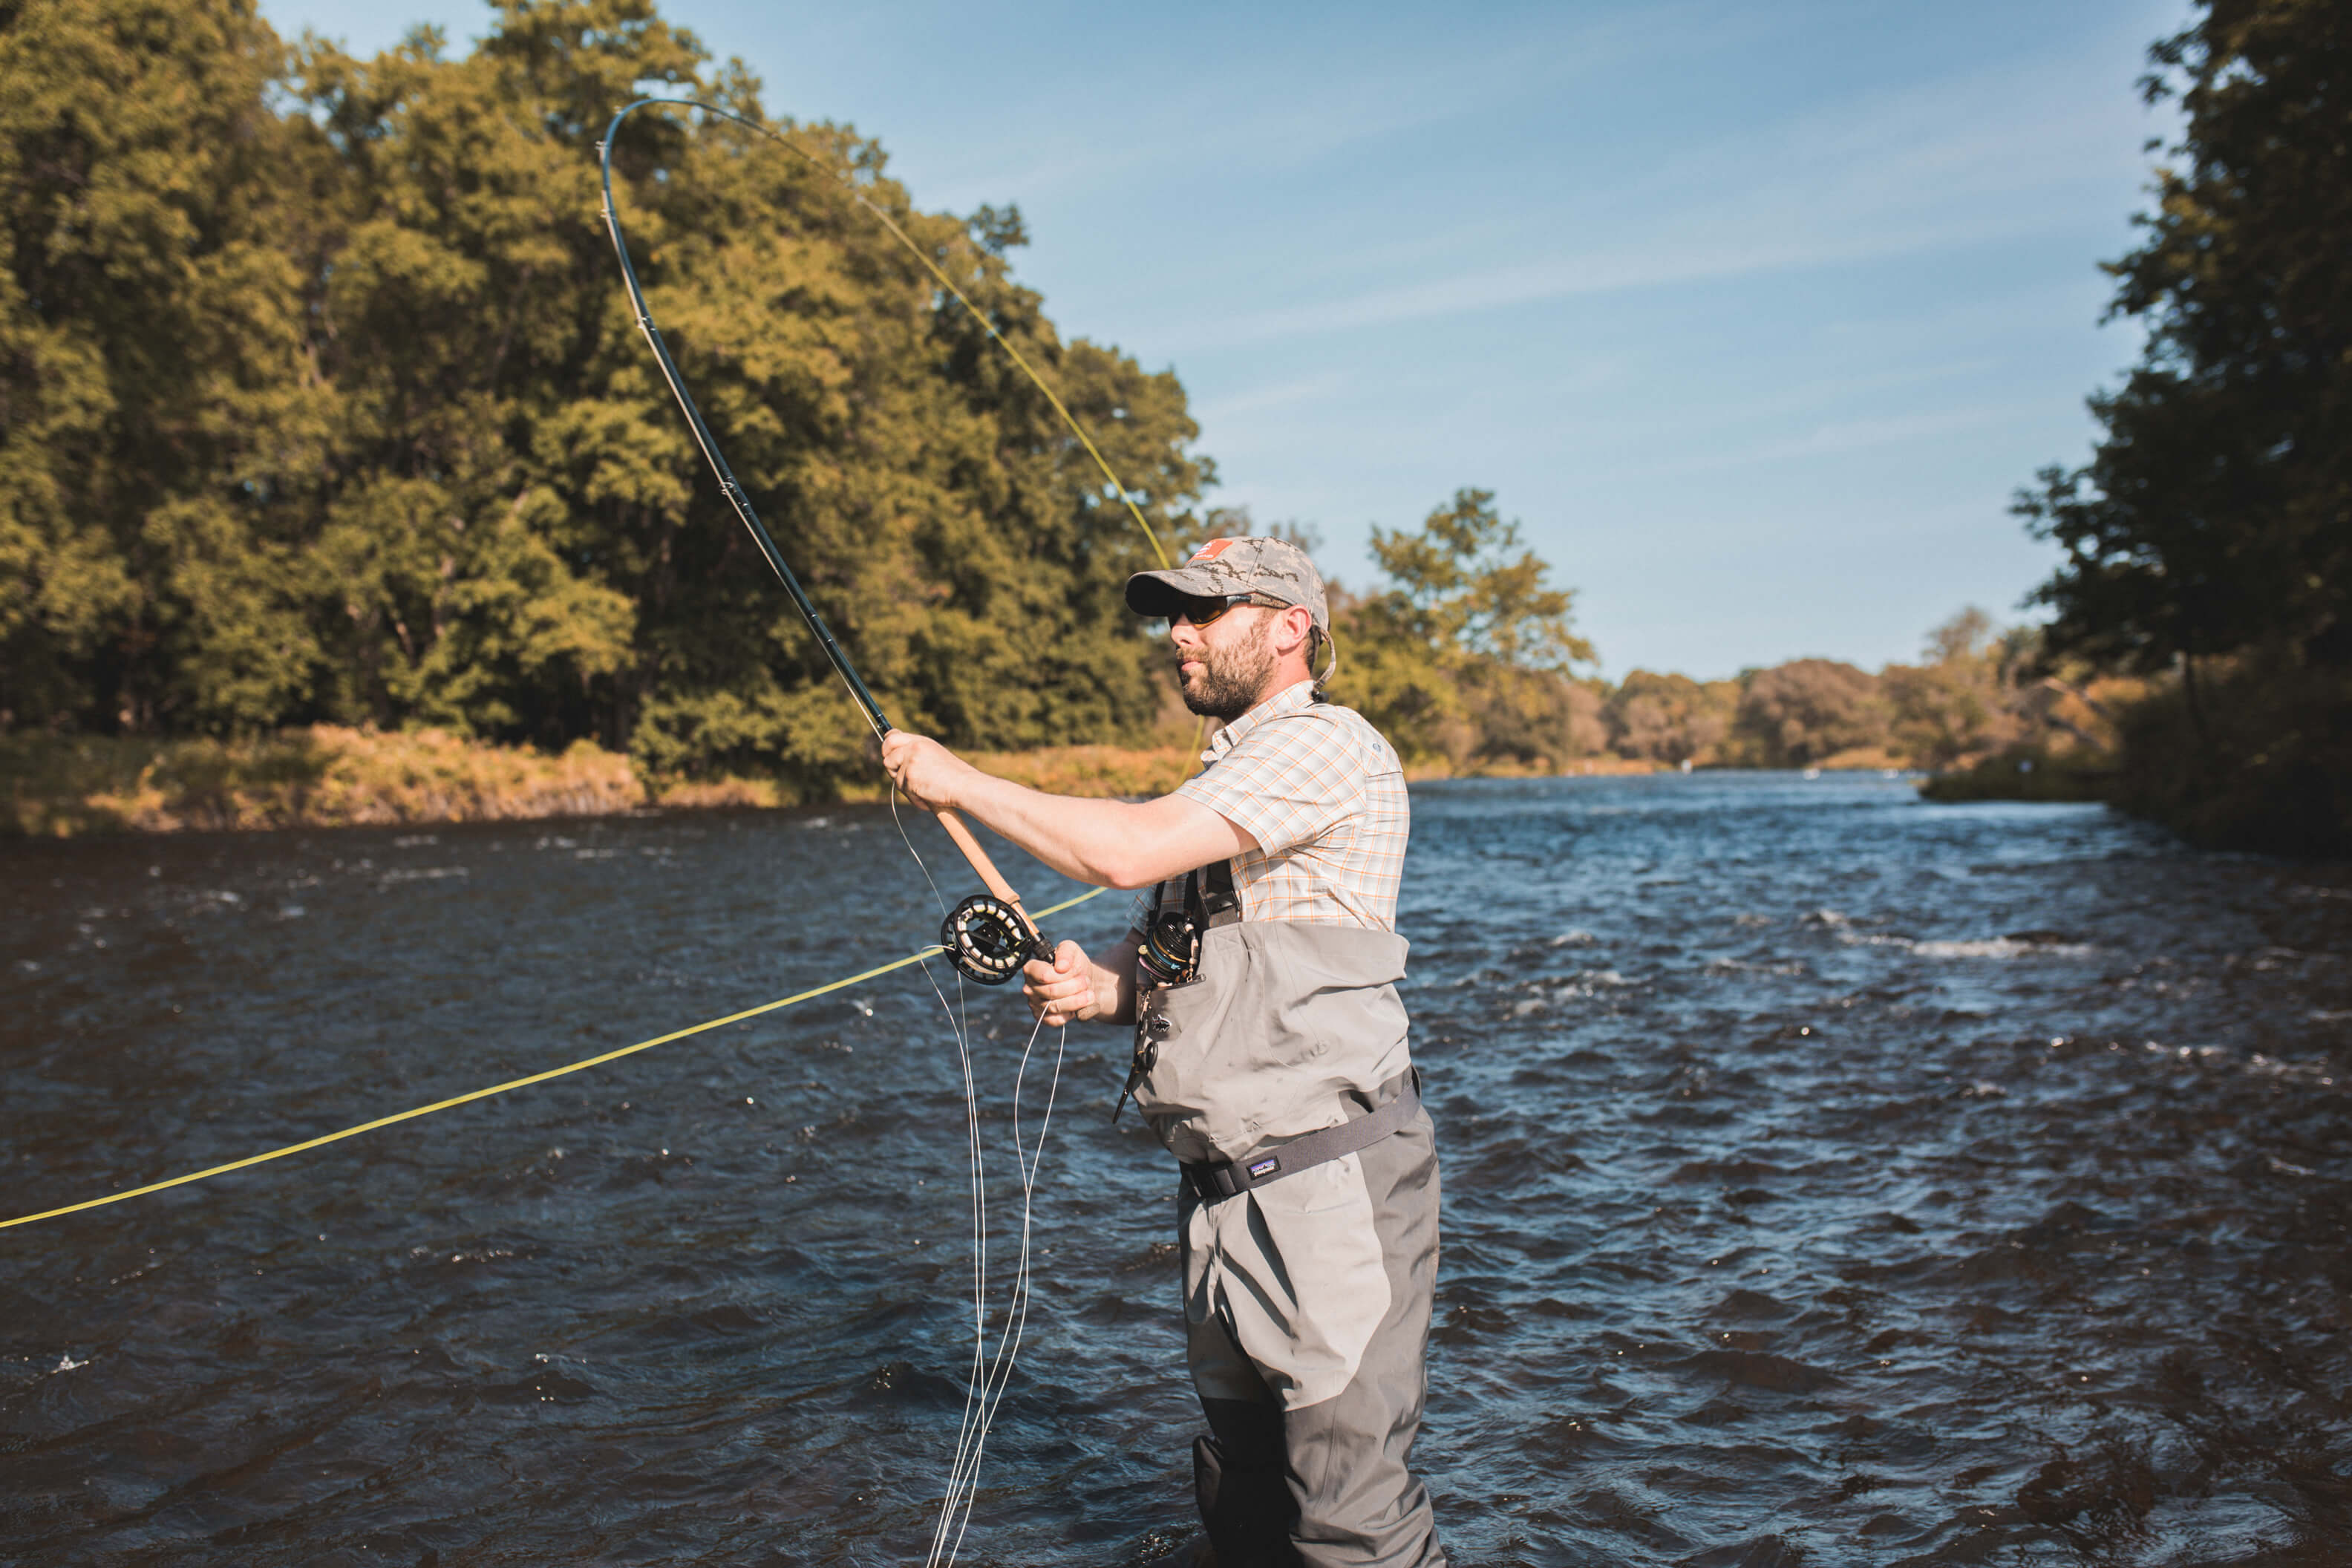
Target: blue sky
1753,314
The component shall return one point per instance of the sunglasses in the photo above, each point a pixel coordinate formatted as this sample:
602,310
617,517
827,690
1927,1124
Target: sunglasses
1200,612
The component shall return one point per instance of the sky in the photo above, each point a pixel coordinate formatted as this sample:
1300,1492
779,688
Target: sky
1754,315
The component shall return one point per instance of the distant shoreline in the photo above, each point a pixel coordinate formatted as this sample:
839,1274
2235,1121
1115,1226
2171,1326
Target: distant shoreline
330,775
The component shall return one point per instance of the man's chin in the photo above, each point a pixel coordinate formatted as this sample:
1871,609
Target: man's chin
1209,708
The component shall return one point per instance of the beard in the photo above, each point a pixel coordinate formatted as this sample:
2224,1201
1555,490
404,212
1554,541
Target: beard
1230,679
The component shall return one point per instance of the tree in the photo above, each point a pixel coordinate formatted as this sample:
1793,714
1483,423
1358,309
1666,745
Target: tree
1671,718
2217,510
153,410
1807,711
1468,655
1961,700
2211,531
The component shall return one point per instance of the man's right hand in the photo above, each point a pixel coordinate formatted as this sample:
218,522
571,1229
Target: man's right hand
1062,991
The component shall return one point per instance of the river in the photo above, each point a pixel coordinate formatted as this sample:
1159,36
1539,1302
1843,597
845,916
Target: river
1830,1178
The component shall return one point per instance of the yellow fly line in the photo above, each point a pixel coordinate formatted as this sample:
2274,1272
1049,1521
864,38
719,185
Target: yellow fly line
411,1115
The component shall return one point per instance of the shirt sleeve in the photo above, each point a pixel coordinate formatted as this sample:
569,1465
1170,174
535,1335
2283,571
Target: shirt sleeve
1286,783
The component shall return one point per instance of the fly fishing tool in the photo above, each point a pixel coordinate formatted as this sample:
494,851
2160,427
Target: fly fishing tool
990,935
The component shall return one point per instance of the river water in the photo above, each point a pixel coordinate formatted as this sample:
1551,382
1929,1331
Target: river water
1830,1178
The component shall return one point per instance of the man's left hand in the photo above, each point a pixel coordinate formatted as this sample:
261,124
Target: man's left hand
925,771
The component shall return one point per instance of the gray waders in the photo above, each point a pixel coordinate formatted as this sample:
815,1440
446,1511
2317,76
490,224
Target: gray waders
1280,1076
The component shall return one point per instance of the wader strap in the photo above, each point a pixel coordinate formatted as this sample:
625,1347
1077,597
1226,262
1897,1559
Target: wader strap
1210,1183
1209,895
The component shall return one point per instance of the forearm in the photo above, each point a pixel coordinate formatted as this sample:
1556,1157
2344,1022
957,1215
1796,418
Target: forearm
1090,840
1109,843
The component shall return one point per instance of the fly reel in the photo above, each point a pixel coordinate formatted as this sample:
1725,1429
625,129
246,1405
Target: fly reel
987,940
1171,953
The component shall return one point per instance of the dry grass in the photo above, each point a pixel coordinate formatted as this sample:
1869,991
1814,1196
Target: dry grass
328,776
689,794
1424,770
324,776
1863,759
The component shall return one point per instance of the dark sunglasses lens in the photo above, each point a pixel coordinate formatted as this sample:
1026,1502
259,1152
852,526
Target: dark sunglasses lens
1200,612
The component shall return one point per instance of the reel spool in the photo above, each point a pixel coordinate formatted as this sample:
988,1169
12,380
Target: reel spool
1171,953
987,940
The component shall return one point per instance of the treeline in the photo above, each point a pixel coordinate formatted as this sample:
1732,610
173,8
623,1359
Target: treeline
2208,540
1468,659
320,404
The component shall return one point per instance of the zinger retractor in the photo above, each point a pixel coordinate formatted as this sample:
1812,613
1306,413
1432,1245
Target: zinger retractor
988,939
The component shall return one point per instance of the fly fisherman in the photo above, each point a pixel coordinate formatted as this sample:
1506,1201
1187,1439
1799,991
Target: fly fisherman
1270,1058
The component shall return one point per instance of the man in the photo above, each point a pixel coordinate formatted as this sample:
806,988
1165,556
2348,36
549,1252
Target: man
1270,1058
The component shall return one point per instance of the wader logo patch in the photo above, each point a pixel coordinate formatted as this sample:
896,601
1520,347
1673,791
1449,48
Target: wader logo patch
1266,1166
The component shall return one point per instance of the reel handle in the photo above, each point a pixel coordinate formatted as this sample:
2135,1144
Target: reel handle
990,876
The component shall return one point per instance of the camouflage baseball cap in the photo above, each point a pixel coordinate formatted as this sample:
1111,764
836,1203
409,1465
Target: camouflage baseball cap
1273,567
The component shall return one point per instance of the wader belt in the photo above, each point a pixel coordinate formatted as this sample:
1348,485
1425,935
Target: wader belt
1214,1181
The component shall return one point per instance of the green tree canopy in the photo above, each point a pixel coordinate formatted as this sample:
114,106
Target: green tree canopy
2216,512
2211,531
323,401
1468,653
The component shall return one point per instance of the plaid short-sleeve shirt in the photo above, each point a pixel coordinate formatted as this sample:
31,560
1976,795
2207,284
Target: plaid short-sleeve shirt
1323,797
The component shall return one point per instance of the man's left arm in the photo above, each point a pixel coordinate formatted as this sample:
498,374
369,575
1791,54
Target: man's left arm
1109,843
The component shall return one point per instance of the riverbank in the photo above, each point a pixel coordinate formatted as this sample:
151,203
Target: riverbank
2037,775
326,775
331,776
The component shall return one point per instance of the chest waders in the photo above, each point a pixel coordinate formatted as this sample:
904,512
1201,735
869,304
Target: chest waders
1274,1062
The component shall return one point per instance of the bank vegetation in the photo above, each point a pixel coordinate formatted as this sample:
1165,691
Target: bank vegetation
336,484
2208,541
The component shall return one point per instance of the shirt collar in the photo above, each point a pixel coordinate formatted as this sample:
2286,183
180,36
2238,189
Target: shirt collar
1290,700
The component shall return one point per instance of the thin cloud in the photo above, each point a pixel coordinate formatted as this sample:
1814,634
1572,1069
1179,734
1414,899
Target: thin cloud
1985,159
1273,122
1255,400
1860,434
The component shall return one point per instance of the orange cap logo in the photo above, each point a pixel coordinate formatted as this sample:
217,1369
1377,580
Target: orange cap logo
1211,550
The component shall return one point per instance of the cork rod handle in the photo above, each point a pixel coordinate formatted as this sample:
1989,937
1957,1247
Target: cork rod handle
990,876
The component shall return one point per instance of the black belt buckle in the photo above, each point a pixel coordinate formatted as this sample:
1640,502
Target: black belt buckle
1213,1184
1203,1180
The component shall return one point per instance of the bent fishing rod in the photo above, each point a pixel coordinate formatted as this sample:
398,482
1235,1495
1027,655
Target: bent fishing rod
989,935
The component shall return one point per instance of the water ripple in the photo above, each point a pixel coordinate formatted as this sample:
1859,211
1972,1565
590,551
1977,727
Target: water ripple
1829,1178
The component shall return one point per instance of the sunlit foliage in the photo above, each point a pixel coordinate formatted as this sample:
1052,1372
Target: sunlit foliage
319,401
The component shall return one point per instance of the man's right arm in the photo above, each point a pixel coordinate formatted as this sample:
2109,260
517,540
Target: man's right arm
1074,986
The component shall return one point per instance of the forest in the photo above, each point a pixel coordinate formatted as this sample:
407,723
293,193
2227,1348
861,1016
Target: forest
322,413
322,404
